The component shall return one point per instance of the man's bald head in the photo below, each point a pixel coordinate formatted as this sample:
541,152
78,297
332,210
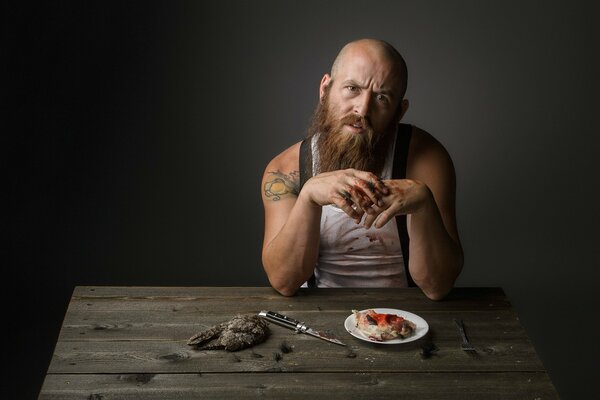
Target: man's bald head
380,49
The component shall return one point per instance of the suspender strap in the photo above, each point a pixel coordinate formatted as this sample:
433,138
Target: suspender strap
399,172
305,162
306,174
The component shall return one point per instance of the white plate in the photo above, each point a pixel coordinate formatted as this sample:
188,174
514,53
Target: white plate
421,326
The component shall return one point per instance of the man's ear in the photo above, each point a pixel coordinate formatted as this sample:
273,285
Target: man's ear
324,83
403,109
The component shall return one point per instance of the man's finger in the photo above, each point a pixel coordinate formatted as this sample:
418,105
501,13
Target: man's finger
359,198
366,189
383,218
375,182
346,204
372,216
346,196
372,182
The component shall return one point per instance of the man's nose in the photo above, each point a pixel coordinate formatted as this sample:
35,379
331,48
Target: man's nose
362,106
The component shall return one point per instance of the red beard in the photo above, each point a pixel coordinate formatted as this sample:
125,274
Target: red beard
339,149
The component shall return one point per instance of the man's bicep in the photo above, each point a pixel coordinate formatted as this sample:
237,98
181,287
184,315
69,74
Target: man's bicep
279,193
279,185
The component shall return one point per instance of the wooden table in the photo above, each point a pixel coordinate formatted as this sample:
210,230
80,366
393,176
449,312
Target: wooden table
130,343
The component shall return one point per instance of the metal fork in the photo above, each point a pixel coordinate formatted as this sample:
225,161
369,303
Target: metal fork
465,345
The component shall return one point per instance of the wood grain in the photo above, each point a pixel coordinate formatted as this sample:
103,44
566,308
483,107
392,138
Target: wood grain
130,342
458,386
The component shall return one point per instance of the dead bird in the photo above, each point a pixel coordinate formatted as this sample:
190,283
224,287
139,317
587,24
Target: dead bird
240,332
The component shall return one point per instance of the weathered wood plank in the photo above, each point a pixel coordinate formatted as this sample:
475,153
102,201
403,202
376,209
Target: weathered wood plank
236,300
483,326
459,386
130,342
217,306
196,291
145,329
309,354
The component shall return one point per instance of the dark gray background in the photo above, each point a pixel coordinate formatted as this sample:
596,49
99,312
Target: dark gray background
136,134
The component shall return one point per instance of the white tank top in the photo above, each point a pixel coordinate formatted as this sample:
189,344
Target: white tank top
351,255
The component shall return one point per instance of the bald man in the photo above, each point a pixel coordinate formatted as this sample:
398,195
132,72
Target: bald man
364,200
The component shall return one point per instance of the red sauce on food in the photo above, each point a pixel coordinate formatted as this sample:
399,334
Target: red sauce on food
383,319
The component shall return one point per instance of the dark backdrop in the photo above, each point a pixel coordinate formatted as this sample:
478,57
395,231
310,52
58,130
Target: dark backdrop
135,136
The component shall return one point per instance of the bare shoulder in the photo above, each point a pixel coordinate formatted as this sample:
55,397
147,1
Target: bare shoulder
428,157
281,178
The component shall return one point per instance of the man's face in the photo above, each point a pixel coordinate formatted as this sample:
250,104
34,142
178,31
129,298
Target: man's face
364,84
359,107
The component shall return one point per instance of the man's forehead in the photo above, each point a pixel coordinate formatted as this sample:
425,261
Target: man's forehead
367,69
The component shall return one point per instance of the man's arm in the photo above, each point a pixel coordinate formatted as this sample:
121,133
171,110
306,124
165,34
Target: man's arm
292,219
291,240
428,197
436,254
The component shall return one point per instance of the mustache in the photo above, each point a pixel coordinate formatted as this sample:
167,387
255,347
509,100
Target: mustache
353,119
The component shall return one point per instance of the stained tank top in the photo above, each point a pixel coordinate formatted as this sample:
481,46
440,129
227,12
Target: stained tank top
351,255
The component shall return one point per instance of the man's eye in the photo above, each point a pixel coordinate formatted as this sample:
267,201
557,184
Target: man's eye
352,88
381,98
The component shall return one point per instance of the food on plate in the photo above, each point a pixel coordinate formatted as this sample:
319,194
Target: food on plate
381,327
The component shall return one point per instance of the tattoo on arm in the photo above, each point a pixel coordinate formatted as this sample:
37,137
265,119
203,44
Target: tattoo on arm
280,184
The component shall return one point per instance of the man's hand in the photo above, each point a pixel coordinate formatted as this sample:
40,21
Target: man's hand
405,196
353,191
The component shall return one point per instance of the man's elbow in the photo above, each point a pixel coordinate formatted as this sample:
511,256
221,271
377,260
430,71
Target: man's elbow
279,281
284,287
436,295
285,290
434,290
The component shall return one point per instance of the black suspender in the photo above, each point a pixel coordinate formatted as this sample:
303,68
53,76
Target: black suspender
305,162
398,172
